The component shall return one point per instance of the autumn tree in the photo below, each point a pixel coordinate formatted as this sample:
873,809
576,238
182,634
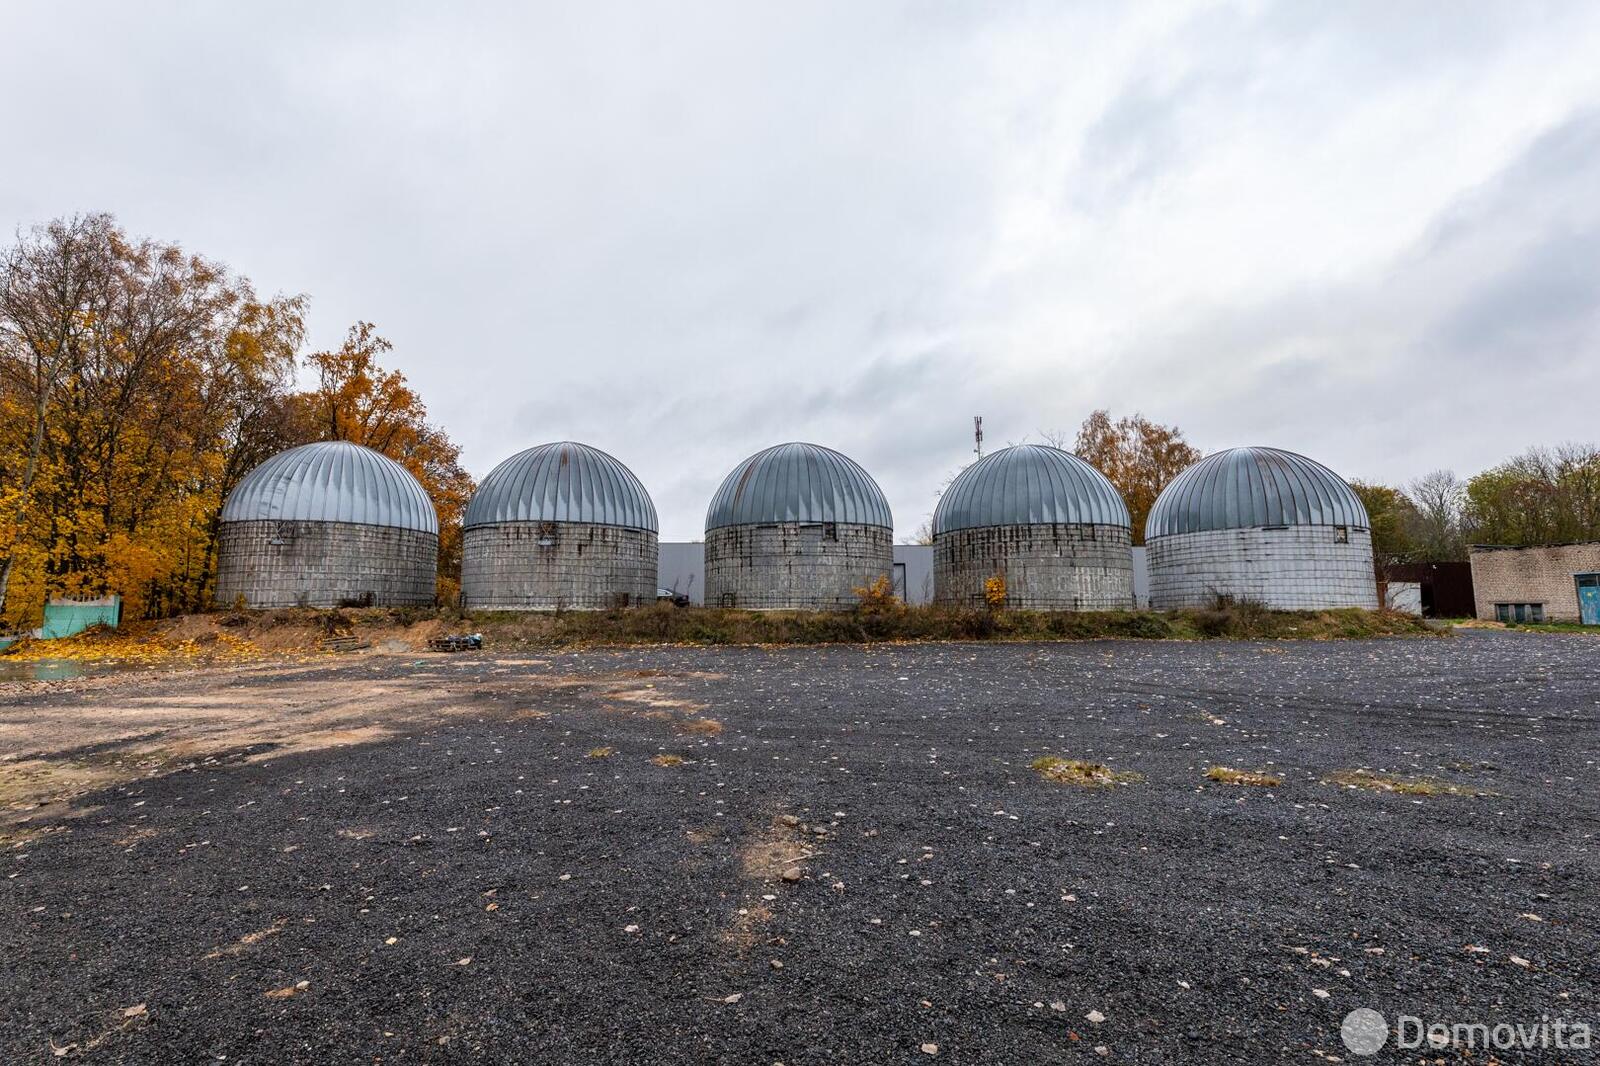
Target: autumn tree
131,373
1543,496
1393,518
138,384
358,400
1138,456
46,283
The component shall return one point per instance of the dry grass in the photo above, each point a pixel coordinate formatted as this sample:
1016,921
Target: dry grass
238,637
1081,773
669,760
601,753
1373,781
1227,775
717,626
705,726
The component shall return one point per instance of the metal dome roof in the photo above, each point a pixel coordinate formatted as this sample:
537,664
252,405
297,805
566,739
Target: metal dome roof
332,481
1030,484
798,483
1243,488
562,482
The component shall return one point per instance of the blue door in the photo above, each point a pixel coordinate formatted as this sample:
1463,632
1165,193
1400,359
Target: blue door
1589,599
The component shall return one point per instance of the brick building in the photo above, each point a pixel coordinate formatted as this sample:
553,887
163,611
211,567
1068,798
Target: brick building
1548,583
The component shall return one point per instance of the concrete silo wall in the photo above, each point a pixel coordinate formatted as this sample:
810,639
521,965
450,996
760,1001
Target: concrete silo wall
325,564
1288,569
800,566
533,566
1062,567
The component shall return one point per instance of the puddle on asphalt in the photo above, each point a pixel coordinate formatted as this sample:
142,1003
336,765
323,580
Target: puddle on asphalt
62,669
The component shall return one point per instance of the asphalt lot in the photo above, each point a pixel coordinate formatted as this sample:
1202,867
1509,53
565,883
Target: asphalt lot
462,873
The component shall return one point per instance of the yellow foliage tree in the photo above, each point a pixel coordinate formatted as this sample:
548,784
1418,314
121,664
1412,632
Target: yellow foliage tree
878,596
138,384
357,400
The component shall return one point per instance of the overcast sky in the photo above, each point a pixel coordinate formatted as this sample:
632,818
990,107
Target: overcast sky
681,232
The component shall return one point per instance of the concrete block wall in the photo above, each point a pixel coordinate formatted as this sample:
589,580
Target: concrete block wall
534,566
793,565
1067,567
325,564
1288,569
1544,575
683,568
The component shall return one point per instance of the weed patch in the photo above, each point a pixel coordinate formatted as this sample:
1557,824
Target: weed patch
1081,773
1227,775
727,626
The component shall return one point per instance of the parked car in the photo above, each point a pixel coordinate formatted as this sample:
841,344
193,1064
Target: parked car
677,599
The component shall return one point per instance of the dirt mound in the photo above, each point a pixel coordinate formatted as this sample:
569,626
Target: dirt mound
299,629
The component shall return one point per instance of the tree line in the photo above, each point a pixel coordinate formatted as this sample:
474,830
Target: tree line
138,384
1543,496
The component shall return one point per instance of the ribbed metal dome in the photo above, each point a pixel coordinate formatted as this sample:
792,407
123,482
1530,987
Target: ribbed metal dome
332,481
798,483
562,482
1243,488
1030,484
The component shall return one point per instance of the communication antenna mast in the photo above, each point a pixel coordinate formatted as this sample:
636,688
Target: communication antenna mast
977,434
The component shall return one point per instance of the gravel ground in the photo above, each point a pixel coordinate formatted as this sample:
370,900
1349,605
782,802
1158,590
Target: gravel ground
485,885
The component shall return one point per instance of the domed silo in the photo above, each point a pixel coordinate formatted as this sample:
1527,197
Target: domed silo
1044,520
328,525
560,525
1260,524
796,526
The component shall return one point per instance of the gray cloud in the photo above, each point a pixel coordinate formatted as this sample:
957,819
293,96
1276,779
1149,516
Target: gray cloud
684,232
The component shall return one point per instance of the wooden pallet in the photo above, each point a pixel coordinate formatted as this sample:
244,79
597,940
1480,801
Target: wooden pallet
342,643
